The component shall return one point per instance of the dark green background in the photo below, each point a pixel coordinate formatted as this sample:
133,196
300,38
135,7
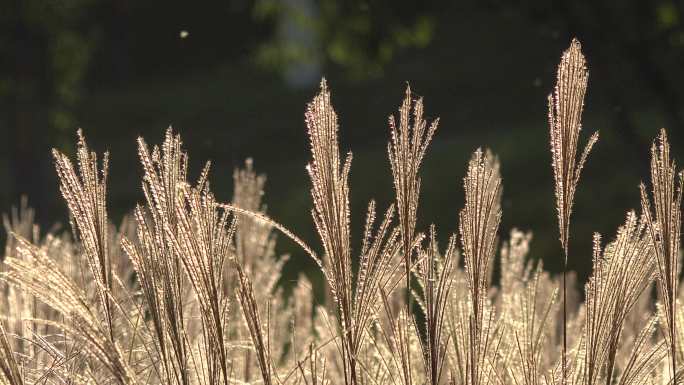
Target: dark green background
120,69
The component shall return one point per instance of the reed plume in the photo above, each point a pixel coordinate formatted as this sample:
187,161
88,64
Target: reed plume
665,231
406,149
622,271
478,224
157,263
86,196
355,297
529,314
435,277
566,104
203,239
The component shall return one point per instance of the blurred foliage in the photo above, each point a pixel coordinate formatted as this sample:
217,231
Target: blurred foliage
360,36
59,38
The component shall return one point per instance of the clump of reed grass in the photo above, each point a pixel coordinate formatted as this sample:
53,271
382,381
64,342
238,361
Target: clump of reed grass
186,290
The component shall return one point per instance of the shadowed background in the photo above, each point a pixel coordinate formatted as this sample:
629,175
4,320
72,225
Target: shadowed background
233,77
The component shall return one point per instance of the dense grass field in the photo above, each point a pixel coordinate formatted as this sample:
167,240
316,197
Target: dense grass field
416,287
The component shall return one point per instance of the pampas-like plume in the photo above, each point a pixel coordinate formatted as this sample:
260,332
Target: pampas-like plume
203,239
398,341
42,278
665,230
86,196
355,297
528,299
478,225
21,221
435,277
330,193
156,262
622,271
565,123
406,149
252,235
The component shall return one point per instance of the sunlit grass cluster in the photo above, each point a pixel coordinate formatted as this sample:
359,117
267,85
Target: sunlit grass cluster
185,290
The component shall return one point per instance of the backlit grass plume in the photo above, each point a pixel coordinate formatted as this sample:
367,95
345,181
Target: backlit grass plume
566,104
478,224
86,196
665,230
407,147
355,295
435,277
622,271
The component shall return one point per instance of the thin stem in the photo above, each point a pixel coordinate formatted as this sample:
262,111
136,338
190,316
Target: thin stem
564,364
408,301
673,347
